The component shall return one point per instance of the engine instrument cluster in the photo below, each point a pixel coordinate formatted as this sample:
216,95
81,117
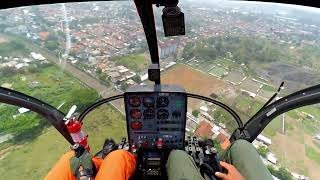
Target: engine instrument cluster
156,115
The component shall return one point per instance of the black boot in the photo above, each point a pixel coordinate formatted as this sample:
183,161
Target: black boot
108,146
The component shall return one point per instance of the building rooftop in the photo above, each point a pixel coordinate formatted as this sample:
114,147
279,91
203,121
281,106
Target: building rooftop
204,129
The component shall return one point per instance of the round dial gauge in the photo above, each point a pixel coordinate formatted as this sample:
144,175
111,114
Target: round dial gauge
149,114
162,101
148,101
135,101
135,113
163,114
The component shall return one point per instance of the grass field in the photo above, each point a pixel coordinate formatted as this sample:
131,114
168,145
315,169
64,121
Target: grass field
7,47
234,77
243,102
269,88
313,154
34,159
255,108
250,85
274,127
137,62
218,71
48,84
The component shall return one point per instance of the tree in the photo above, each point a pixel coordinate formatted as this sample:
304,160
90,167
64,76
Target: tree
195,113
17,45
137,79
51,45
52,37
263,151
124,85
7,71
282,173
81,98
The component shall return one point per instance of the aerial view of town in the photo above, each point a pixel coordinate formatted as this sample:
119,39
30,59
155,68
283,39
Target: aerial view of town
234,52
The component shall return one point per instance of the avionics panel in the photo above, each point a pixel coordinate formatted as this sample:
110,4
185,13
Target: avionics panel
156,112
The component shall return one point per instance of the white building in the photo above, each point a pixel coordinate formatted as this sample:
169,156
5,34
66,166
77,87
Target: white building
299,177
275,178
144,77
170,65
215,129
251,94
23,110
192,118
21,65
37,56
264,139
271,158
204,109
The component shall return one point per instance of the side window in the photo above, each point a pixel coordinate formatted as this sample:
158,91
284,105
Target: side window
26,139
290,144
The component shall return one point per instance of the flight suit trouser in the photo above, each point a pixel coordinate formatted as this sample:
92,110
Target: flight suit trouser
241,154
120,165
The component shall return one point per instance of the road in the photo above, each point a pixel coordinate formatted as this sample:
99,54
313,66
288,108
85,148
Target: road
88,80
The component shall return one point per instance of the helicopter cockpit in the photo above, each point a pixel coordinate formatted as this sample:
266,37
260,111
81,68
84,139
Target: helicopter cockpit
156,113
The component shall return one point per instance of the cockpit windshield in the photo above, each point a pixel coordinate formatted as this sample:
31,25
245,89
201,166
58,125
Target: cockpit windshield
235,52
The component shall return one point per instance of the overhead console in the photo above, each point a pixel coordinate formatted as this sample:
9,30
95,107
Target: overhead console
156,116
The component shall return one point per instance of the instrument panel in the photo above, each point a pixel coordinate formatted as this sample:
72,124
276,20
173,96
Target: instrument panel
156,114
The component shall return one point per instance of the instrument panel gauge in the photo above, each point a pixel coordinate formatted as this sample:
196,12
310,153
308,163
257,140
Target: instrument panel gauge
149,114
134,101
148,101
135,113
162,101
163,114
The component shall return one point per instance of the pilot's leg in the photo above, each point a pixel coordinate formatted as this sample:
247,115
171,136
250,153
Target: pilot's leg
180,166
62,169
118,165
242,155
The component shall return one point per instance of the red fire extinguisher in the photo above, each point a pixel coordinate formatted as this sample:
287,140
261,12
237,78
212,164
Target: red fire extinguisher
78,136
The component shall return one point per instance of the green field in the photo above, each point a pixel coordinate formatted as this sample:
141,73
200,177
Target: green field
34,159
234,77
256,107
269,88
48,84
136,62
218,71
242,103
15,46
250,85
273,127
312,154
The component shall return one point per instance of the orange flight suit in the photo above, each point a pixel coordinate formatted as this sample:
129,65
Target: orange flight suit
118,165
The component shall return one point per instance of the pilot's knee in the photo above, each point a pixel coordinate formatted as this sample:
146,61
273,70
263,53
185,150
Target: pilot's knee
67,156
178,156
241,144
178,153
119,156
119,153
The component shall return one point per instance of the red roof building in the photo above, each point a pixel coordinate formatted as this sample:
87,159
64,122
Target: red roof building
204,130
43,35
